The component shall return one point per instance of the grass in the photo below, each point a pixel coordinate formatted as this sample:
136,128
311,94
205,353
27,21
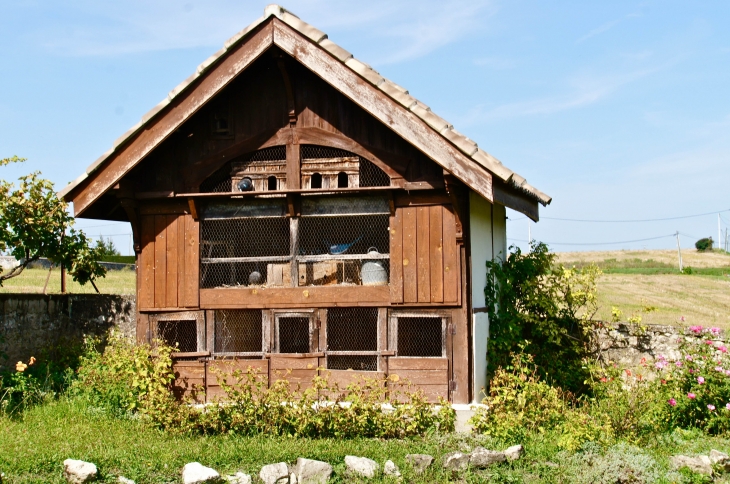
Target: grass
34,445
33,280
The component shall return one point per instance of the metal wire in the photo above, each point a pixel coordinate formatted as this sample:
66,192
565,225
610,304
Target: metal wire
352,329
369,175
293,335
420,336
180,332
238,331
220,181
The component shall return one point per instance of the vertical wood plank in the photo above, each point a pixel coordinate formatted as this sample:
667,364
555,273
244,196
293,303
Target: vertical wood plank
143,326
172,259
423,254
160,261
181,275
210,330
396,257
146,296
192,262
436,217
382,338
460,320
293,167
451,273
322,333
410,261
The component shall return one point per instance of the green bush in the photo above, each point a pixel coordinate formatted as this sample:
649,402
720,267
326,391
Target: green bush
704,244
542,309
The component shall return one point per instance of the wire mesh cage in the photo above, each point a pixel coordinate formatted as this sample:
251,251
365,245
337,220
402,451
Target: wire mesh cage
249,251
239,331
367,173
352,329
293,334
222,181
352,362
182,331
420,336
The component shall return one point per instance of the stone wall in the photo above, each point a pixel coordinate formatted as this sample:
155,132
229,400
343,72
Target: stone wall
626,344
33,323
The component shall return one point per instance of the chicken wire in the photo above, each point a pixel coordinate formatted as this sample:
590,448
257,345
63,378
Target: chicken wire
420,336
244,251
293,334
352,329
181,334
220,181
352,362
370,175
239,331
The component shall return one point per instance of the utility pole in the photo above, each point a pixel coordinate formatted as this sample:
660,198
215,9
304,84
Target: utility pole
719,232
679,252
529,231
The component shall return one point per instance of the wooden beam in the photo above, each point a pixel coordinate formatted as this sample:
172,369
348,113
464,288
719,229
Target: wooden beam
516,200
402,121
293,166
178,111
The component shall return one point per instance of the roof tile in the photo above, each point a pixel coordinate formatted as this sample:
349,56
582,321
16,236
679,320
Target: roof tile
127,134
64,191
341,54
312,32
492,164
180,87
151,113
397,93
432,119
228,43
365,71
92,167
210,60
462,142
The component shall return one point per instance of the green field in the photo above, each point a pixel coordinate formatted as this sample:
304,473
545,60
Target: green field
33,280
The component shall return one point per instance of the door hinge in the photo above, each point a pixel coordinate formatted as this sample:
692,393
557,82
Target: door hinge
452,385
452,328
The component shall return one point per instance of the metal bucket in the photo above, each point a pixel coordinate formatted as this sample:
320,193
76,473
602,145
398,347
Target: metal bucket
373,272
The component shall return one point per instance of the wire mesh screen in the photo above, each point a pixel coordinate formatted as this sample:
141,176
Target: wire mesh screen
369,174
353,362
293,334
220,181
352,329
180,334
344,250
239,331
420,336
244,252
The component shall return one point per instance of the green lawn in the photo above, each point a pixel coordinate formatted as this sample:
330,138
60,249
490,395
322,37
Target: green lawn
33,280
32,449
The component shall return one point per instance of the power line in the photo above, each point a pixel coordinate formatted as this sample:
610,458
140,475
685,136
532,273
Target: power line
599,243
635,220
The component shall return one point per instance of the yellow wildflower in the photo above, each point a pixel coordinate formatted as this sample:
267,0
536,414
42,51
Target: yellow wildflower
20,366
31,361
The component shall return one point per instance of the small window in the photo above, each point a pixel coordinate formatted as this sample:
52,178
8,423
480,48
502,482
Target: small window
293,334
316,180
181,335
420,336
239,331
352,330
272,184
342,180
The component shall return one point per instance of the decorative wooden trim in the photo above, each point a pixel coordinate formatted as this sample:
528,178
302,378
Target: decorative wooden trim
402,121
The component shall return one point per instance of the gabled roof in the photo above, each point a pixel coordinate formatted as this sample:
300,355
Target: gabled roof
469,148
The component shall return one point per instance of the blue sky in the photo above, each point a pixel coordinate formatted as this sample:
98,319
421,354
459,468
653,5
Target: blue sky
619,110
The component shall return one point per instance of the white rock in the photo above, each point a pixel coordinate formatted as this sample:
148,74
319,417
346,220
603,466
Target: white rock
420,462
238,478
361,466
310,471
481,457
197,473
456,461
293,479
271,473
390,469
514,452
78,471
124,480
700,464
720,459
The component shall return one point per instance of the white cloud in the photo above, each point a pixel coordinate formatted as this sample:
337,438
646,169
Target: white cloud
606,27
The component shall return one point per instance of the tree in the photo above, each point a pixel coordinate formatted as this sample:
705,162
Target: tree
35,223
106,248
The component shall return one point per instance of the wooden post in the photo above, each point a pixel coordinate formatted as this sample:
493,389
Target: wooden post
679,252
48,277
63,279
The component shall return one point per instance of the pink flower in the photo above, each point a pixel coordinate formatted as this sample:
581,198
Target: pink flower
708,342
688,357
719,368
715,331
673,402
727,406
691,396
696,329
660,364
700,380
681,318
678,363
711,407
723,349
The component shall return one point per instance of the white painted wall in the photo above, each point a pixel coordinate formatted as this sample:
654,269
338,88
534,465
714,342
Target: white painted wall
488,236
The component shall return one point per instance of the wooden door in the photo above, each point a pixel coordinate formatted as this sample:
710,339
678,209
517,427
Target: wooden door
295,340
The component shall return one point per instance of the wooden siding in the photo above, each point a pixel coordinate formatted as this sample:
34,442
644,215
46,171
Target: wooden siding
189,380
429,375
225,369
424,259
169,266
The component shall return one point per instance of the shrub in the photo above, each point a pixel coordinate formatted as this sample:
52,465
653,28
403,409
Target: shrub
704,244
520,403
32,383
544,308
